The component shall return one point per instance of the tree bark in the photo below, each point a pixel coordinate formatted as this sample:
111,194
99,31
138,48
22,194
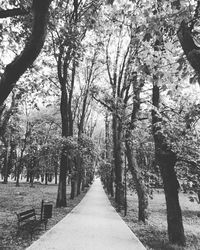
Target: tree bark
61,194
46,178
67,123
109,179
73,189
79,181
56,175
117,136
5,168
111,189
166,160
13,12
15,69
139,183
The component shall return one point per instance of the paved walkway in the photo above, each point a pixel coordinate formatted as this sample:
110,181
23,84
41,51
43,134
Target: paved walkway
92,225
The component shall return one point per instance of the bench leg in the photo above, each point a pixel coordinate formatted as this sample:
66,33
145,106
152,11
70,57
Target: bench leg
45,224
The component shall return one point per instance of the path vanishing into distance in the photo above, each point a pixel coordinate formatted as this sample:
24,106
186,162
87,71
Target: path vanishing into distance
92,225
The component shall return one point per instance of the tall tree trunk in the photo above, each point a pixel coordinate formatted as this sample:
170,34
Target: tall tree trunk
18,173
31,177
5,168
46,178
79,181
139,183
166,160
73,189
61,194
74,183
79,175
83,183
19,167
28,176
56,175
117,151
111,181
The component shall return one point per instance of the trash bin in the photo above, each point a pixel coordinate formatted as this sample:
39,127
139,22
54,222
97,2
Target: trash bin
47,213
46,210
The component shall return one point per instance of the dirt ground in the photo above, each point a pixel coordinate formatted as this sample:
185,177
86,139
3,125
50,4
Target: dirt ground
153,234
17,199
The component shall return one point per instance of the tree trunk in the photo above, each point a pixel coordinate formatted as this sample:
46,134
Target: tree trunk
56,176
166,160
72,195
15,69
111,184
28,176
139,183
46,178
18,167
83,182
117,151
31,178
17,173
108,156
79,181
73,186
5,169
61,194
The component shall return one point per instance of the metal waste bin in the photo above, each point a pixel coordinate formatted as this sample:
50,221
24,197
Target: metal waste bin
46,210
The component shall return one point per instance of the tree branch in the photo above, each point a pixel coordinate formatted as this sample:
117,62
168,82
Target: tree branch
13,12
19,65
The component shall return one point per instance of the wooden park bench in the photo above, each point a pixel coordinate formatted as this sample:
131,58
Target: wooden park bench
27,220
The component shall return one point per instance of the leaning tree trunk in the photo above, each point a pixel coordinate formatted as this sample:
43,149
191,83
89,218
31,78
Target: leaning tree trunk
166,159
186,39
15,69
139,183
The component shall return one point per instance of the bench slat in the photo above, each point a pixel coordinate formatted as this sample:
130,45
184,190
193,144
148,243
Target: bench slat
27,212
25,217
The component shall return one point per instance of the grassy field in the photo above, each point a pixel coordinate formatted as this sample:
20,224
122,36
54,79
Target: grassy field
154,233
17,199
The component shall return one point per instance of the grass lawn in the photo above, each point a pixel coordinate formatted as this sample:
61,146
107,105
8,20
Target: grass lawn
154,233
17,199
